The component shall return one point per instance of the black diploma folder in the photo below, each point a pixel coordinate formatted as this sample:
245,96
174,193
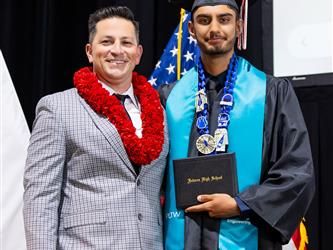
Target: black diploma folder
204,175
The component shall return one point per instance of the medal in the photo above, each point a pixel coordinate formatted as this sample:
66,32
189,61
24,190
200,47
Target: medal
223,120
227,100
206,144
202,122
200,100
221,139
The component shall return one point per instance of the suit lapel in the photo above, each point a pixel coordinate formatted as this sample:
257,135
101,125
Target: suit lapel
109,131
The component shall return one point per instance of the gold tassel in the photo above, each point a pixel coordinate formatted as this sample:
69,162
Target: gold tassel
304,237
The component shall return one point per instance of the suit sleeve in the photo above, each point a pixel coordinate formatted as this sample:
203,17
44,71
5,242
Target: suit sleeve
287,179
43,178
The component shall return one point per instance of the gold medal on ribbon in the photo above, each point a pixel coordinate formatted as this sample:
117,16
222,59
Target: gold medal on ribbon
206,144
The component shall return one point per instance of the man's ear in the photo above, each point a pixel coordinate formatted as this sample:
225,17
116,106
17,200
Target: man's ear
89,52
191,29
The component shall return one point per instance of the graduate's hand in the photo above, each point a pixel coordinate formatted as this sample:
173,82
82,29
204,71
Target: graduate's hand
217,206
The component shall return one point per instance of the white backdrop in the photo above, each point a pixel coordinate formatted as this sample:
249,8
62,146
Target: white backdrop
302,37
14,139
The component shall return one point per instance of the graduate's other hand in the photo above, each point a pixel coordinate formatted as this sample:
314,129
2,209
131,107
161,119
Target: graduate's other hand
217,206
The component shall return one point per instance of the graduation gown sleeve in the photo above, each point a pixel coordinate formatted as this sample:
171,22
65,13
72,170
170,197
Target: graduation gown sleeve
287,177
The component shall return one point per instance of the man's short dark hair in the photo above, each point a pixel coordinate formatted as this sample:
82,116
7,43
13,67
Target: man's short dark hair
109,12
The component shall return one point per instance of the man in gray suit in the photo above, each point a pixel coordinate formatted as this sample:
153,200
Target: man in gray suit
98,151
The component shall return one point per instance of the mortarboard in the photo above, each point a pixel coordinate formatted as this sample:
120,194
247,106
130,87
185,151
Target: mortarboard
199,3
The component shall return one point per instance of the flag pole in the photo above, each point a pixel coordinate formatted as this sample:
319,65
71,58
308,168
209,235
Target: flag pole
179,46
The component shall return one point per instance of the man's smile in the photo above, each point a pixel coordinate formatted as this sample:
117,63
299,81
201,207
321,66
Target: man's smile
116,61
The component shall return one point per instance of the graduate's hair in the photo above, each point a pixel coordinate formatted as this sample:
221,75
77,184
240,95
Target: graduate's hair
110,12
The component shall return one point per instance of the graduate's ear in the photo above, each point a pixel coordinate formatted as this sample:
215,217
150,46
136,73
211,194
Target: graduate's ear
191,29
239,28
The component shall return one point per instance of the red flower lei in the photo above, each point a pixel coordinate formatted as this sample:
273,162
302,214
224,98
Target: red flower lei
141,151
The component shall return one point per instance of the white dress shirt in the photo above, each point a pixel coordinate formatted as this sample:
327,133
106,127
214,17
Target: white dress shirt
132,107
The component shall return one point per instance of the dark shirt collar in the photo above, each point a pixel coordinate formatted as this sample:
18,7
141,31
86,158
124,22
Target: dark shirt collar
220,79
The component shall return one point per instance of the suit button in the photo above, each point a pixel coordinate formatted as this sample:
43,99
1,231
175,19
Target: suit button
138,182
139,216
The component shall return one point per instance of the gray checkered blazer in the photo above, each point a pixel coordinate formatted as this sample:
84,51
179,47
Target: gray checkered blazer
81,191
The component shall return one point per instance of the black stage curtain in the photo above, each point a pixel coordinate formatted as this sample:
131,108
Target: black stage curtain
317,104
43,44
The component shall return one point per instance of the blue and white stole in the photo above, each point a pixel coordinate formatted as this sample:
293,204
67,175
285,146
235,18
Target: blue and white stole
245,138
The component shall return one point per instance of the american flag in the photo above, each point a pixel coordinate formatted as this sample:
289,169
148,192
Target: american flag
179,56
299,240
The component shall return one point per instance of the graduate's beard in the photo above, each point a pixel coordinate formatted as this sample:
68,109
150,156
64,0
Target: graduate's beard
219,49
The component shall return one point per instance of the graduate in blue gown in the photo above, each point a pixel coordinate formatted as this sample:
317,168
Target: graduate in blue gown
262,123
